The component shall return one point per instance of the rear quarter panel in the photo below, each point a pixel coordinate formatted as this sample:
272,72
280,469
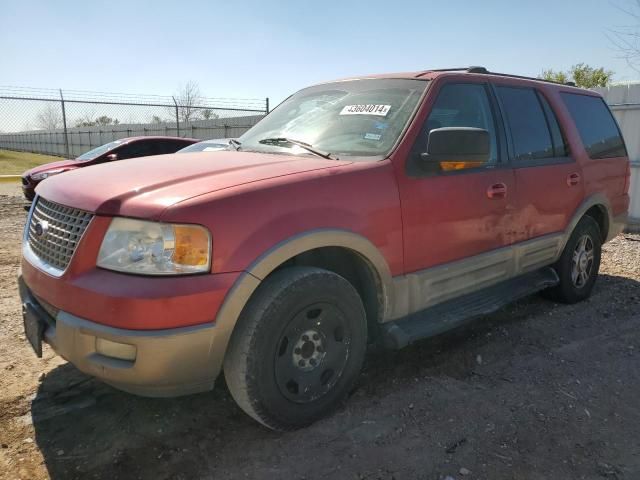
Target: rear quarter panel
607,176
611,177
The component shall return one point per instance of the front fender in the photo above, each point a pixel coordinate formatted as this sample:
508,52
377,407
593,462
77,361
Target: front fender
271,259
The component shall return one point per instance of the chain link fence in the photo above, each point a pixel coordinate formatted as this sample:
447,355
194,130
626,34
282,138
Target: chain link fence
69,123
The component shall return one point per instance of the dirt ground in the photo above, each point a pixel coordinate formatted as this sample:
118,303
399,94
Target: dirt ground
536,391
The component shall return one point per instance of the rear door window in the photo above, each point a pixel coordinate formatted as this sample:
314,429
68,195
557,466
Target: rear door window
528,125
595,123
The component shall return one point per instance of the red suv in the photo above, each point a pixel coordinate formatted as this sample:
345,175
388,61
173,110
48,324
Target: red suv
380,209
122,149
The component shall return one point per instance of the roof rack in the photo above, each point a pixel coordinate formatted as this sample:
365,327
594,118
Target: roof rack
484,71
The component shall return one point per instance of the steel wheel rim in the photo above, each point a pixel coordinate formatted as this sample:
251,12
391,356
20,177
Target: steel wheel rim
582,261
312,353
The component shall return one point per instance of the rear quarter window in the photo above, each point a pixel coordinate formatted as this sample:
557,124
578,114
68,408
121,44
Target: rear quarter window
595,123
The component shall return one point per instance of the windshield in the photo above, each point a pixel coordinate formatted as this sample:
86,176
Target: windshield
206,146
96,152
362,118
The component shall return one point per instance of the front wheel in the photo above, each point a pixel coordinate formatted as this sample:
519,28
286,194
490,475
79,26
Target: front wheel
579,263
297,348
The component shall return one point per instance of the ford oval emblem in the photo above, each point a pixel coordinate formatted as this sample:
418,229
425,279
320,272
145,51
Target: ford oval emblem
41,228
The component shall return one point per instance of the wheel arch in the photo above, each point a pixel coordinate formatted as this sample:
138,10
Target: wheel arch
599,213
596,206
324,248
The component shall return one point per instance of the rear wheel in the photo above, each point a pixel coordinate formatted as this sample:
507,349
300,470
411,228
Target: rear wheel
298,347
579,263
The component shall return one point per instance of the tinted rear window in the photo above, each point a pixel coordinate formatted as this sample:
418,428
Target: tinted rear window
598,130
527,122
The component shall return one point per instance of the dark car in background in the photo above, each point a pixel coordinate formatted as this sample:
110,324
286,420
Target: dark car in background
131,147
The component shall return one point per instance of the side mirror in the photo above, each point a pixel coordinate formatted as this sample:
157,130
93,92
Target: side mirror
457,148
111,157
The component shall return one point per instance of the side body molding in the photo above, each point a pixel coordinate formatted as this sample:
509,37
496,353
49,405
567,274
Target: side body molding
417,291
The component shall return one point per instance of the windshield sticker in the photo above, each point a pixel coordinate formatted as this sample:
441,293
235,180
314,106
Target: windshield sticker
372,136
369,109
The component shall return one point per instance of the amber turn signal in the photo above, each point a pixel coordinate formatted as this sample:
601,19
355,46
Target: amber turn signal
191,245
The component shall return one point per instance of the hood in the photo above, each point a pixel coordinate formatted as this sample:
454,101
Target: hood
71,164
145,187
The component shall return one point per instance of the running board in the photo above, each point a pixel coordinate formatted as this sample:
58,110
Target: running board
453,313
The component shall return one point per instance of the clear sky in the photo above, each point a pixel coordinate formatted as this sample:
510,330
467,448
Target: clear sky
255,49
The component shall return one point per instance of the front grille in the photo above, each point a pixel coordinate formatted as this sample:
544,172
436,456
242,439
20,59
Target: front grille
54,232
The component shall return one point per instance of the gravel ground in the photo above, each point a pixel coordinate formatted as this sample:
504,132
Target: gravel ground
535,391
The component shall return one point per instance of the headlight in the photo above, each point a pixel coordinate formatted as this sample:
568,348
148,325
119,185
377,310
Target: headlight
43,175
154,248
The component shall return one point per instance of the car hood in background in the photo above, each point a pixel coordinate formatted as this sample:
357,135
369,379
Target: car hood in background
71,164
145,187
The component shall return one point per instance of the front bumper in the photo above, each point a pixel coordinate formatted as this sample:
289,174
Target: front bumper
28,190
170,362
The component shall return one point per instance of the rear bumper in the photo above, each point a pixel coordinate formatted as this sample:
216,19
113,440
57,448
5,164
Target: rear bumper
158,363
618,224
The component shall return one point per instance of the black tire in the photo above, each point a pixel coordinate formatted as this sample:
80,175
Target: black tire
305,323
568,290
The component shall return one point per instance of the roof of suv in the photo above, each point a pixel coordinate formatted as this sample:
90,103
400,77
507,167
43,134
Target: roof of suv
475,71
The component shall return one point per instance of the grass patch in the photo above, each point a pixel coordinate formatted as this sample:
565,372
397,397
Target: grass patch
14,163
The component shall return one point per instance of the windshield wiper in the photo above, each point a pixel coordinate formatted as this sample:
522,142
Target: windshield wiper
235,143
282,141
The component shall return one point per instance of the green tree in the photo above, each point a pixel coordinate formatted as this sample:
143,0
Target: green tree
103,120
208,114
582,75
554,76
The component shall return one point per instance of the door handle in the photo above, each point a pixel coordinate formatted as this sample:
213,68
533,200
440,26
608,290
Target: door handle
573,179
496,191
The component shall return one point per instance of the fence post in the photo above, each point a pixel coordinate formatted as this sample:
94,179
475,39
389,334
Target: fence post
267,105
64,123
177,117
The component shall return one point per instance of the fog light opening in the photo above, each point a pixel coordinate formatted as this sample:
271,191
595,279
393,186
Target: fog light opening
121,351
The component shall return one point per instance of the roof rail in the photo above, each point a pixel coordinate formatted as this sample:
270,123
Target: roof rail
477,69
484,71
454,69
509,75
